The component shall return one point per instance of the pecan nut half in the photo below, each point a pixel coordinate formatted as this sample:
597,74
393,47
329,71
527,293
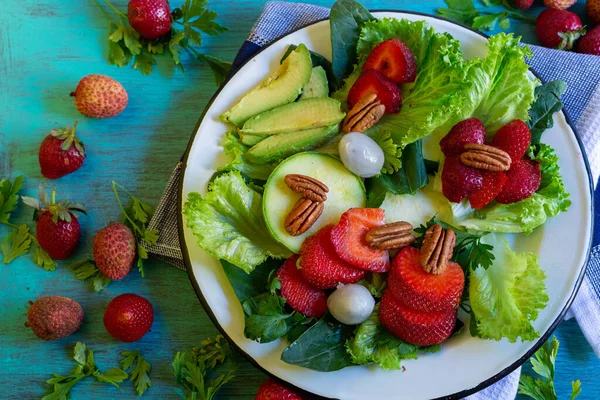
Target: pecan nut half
391,236
482,156
308,187
304,214
366,113
437,249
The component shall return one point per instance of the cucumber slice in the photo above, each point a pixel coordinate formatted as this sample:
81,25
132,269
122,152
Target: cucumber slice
346,190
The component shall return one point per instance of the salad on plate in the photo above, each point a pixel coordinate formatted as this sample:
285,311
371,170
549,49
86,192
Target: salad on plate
362,214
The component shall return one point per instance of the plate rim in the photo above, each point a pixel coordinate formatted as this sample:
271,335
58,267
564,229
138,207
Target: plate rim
454,396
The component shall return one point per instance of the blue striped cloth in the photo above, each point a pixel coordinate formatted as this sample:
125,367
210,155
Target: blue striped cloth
582,102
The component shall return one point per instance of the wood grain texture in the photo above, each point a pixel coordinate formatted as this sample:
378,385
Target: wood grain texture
46,46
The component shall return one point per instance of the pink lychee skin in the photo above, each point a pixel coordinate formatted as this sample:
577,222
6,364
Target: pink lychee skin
54,317
114,251
100,96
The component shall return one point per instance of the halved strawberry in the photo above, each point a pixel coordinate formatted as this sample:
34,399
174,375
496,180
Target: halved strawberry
468,131
321,266
348,238
393,59
493,182
420,328
298,293
523,179
420,290
514,138
458,180
374,82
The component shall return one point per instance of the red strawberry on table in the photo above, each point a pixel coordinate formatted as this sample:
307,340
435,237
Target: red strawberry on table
348,238
458,180
420,328
58,230
590,43
468,131
128,317
298,293
150,18
393,59
374,82
320,264
523,179
558,28
61,153
493,182
514,138
410,284
273,390
115,250
524,4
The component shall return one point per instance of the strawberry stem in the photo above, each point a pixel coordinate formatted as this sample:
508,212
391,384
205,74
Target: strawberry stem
53,196
115,185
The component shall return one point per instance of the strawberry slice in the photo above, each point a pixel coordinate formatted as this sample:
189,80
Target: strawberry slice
420,328
523,179
458,180
493,182
514,138
419,290
393,59
298,293
348,238
467,131
321,266
374,82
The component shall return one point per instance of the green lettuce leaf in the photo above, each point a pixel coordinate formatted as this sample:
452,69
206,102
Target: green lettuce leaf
234,147
506,297
230,225
373,343
524,216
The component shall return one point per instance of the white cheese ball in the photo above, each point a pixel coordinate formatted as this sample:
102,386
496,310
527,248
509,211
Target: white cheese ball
351,304
361,154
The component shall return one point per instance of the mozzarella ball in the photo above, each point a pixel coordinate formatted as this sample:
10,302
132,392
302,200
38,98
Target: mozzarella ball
361,154
351,304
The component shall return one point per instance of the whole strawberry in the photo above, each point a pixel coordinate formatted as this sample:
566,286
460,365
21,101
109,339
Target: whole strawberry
273,390
524,4
558,29
54,317
590,43
100,96
114,251
58,230
128,317
61,153
559,4
593,10
150,18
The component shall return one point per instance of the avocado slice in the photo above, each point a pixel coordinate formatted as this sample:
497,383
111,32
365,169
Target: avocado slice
249,139
276,147
280,88
303,114
316,86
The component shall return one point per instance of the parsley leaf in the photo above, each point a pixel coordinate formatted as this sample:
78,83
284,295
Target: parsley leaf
464,12
86,270
266,319
543,364
140,376
9,197
16,244
85,366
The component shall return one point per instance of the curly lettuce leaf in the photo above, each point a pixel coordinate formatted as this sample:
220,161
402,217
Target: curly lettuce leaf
373,343
524,216
234,147
230,225
507,297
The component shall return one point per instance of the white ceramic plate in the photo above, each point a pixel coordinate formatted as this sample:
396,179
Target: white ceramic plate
465,364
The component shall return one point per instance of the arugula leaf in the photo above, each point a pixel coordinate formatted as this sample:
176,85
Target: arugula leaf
266,320
60,385
464,12
140,376
86,270
346,18
220,68
253,284
547,102
9,197
16,244
229,223
322,347
543,364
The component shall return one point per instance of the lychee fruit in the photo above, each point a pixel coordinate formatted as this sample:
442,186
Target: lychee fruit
114,251
100,96
54,317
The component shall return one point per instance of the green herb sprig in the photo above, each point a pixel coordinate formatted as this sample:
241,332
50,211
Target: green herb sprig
464,11
189,23
139,370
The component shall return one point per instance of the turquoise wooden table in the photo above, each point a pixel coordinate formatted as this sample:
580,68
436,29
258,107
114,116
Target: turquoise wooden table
46,46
